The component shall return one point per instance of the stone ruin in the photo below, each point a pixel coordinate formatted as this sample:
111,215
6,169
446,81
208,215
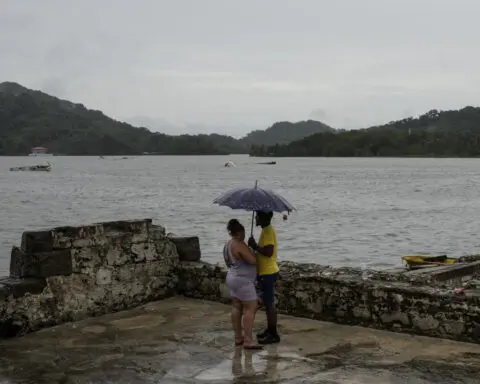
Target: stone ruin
70,273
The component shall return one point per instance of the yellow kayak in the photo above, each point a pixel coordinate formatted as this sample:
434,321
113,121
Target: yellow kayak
418,261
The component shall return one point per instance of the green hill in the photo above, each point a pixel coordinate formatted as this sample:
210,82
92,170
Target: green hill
285,132
29,118
454,133
32,118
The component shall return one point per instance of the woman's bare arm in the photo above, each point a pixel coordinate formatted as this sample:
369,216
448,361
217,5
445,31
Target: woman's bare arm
246,253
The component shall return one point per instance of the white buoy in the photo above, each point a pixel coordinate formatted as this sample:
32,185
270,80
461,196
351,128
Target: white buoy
230,164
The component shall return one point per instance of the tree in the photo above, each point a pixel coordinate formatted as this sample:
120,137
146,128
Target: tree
435,133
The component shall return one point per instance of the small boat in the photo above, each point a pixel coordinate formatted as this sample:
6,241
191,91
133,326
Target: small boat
269,163
230,164
33,168
420,261
39,151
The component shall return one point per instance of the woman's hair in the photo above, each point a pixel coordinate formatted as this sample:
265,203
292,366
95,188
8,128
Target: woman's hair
234,227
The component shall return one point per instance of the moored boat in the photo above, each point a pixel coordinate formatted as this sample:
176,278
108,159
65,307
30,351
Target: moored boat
269,163
39,151
33,168
420,261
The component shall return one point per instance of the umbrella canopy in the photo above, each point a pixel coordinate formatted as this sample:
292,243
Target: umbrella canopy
254,199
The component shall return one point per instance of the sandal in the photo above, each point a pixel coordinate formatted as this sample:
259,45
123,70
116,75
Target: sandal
238,342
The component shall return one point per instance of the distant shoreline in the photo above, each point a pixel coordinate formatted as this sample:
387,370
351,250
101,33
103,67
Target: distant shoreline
369,157
258,157
126,155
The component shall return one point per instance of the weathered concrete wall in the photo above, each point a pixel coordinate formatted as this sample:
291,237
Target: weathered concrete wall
356,297
188,248
69,273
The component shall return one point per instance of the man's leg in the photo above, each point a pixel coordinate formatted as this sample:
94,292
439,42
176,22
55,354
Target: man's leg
268,287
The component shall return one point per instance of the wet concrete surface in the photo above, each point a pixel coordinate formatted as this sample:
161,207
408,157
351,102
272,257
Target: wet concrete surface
188,341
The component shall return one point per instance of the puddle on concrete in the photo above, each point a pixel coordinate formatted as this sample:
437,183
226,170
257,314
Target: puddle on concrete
257,366
161,344
359,376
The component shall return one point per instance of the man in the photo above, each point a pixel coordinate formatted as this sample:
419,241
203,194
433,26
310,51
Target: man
267,270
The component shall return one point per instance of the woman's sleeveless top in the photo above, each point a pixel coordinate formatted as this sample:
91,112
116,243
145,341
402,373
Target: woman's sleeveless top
238,267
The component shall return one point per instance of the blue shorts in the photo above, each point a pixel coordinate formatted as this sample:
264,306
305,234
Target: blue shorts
266,283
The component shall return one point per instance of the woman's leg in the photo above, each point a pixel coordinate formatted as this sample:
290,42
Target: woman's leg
237,309
250,308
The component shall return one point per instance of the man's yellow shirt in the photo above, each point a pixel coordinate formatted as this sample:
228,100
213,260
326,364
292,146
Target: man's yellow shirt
267,265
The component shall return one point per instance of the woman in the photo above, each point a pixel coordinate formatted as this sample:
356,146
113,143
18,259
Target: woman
242,272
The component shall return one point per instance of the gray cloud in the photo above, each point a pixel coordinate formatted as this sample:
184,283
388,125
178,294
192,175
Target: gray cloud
246,64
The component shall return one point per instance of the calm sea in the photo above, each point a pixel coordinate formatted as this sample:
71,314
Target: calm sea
351,211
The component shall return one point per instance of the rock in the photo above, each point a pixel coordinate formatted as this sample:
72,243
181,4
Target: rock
104,276
55,263
69,273
468,258
13,326
20,287
341,295
4,292
40,264
37,241
129,226
157,232
17,260
188,248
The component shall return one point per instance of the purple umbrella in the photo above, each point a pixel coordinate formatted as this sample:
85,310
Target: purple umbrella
254,199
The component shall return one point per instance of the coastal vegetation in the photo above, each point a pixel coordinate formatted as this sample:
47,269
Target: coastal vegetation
453,133
32,118
285,132
29,118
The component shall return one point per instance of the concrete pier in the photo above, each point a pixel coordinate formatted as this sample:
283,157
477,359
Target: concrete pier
180,340
122,302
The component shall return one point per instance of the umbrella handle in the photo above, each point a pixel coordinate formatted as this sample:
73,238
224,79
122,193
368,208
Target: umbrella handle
251,229
253,212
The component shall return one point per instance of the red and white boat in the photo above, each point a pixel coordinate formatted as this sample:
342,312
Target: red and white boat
40,151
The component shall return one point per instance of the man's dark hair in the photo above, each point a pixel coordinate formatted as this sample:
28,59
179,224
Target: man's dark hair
265,216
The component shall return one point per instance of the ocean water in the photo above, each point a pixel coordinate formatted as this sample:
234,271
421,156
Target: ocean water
350,211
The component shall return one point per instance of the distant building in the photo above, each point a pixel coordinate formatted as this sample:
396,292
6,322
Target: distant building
39,151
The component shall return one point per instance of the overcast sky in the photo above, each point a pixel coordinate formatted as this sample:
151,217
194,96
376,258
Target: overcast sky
237,65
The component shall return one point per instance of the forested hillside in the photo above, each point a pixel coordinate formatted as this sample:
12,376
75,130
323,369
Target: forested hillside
452,133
